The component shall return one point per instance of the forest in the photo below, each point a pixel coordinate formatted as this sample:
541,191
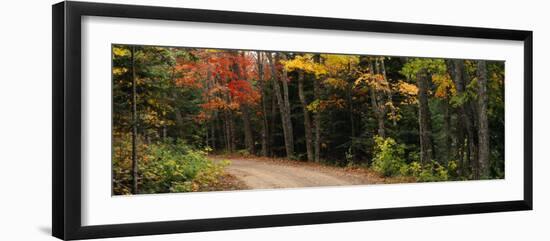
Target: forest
183,117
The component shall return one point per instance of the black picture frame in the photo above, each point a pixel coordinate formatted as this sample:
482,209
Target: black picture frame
66,47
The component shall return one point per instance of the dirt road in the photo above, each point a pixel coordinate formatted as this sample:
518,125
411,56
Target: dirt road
268,174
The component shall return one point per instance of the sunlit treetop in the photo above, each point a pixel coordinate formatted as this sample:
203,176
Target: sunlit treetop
305,63
409,91
337,63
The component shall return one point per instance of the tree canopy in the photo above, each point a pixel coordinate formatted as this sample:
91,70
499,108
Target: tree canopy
432,118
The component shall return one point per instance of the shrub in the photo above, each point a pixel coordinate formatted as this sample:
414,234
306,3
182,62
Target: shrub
389,161
432,172
164,167
388,156
413,169
177,168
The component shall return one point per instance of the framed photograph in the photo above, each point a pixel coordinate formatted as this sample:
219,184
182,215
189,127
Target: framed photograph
169,120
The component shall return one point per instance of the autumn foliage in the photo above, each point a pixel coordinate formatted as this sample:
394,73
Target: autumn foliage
430,118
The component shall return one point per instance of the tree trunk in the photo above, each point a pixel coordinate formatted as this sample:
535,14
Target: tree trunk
179,118
284,81
447,130
379,117
248,139
460,145
283,107
209,124
177,113
389,92
472,113
375,102
226,131
483,127
221,130
351,117
349,97
307,121
426,151
265,126
317,116
465,120
213,134
273,121
134,125
232,136
248,134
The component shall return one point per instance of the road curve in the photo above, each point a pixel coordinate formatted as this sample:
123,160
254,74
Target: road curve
262,174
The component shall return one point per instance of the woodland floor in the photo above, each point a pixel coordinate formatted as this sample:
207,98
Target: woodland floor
268,173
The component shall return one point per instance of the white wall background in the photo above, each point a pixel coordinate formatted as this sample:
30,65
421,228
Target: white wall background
25,119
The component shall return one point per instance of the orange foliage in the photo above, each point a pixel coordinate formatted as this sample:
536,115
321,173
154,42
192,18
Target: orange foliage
445,86
243,92
225,78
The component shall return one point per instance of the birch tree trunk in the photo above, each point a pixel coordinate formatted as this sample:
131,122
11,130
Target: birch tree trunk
283,107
